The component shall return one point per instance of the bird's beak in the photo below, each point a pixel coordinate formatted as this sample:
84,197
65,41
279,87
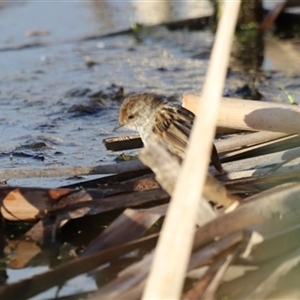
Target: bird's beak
117,127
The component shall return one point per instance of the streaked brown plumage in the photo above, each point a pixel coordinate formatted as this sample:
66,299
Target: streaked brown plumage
149,114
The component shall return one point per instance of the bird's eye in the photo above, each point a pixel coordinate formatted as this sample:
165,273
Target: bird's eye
131,117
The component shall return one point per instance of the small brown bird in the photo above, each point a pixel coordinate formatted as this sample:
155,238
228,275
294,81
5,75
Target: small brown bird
149,114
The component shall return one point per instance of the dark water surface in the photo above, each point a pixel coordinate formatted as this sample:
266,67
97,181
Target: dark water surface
49,112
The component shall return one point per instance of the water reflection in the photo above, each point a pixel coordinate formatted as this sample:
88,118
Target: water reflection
119,14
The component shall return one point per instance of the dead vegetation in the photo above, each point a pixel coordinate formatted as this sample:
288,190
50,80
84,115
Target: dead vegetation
254,245
235,237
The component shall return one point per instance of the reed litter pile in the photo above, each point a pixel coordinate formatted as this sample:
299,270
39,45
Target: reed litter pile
241,232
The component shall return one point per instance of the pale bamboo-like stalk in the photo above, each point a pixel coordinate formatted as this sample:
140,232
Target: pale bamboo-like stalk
249,139
175,244
251,115
64,171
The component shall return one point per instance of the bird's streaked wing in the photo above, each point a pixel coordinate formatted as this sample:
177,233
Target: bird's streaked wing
174,124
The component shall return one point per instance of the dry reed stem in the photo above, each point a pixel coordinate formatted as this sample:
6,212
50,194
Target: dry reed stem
251,115
166,278
167,170
280,165
216,281
241,141
122,167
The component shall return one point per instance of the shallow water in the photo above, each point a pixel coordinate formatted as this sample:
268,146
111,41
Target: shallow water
51,110
46,118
